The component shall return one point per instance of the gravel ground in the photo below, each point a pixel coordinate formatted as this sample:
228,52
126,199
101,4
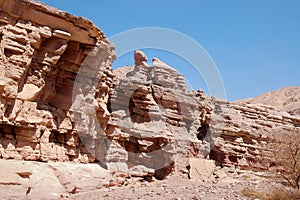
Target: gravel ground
175,188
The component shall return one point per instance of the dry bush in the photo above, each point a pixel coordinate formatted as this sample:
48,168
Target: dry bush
272,194
283,159
282,194
252,193
286,156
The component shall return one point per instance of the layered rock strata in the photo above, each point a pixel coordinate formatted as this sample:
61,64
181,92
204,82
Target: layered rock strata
42,50
156,124
243,139
59,101
150,104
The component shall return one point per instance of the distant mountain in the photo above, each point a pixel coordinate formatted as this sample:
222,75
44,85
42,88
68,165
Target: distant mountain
286,99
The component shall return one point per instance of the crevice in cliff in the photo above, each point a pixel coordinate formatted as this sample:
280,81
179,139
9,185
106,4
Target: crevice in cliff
56,138
137,109
203,131
10,52
218,156
144,145
8,132
162,173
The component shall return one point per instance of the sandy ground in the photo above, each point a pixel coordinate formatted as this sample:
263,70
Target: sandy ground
175,188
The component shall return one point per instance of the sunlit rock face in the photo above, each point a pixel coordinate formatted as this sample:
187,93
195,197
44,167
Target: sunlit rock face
60,100
155,122
243,138
42,50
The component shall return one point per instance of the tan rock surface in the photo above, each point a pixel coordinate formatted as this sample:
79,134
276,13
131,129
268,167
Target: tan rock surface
29,180
201,169
140,58
42,50
286,99
154,119
60,101
246,129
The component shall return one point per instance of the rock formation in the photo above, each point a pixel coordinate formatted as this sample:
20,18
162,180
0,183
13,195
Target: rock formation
42,50
155,121
243,137
61,101
140,58
232,134
53,180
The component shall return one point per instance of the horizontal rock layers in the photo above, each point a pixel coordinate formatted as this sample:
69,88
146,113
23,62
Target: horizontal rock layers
61,101
155,122
246,132
42,50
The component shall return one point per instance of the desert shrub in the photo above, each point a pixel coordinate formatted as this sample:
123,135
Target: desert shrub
283,159
282,194
252,193
278,193
286,156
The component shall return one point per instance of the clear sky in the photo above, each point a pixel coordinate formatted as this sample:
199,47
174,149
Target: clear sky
255,44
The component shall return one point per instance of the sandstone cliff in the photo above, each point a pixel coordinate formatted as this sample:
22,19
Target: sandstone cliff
42,50
61,101
232,134
155,122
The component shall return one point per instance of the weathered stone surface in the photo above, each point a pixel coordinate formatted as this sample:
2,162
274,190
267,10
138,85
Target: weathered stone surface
155,119
150,107
80,29
243,137
41,58
140,58
28,180
166,76
201,169
61,101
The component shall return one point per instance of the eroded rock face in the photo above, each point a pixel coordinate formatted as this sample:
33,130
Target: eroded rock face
140,58
155,122
60,101
243,137
36,180
42,50
154,119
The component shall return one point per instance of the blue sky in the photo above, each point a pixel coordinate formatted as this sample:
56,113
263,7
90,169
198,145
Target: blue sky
255,44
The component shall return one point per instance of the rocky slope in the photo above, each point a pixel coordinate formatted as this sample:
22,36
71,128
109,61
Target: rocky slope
60,101
286,99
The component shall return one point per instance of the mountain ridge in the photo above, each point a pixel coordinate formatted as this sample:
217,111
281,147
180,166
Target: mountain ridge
286,99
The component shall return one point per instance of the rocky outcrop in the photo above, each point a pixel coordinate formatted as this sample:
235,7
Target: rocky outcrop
286,99
149,100
140,58
156,124
42,50
61,101
247,129
36,180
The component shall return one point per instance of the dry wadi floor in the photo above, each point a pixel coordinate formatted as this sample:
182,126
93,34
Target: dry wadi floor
175,188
